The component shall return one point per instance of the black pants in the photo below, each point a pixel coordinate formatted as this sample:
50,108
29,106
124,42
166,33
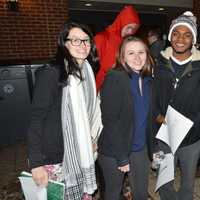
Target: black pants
113,178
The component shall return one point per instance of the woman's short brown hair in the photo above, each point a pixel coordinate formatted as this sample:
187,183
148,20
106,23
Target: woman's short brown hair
147,69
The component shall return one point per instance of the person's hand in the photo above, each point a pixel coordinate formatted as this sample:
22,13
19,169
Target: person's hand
125,168
40,176
94,147
160,119
158,158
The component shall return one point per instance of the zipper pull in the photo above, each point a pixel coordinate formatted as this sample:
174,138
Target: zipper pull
176,83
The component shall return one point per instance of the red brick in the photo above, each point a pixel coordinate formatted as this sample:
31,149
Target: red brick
31,33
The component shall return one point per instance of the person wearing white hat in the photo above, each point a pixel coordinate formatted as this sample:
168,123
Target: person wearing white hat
177,83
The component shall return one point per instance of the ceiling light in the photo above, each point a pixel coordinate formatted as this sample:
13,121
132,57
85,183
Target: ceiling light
161,9
88,4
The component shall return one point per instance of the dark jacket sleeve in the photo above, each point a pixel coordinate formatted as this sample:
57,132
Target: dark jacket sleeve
45,87
117,122
152,126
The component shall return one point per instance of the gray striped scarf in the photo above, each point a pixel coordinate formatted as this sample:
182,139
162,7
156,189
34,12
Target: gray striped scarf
81,123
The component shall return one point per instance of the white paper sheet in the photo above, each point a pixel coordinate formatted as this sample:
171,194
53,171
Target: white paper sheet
166,171
31,190
176,128
54,191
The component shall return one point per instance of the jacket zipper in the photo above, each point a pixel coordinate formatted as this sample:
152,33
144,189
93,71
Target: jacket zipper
176,83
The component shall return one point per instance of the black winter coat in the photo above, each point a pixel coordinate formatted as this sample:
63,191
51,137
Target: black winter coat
118,118
185,97
45,140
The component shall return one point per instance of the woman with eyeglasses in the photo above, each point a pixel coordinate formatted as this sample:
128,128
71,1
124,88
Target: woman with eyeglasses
65,117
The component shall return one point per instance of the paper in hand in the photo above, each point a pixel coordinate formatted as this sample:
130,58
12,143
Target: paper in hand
176,128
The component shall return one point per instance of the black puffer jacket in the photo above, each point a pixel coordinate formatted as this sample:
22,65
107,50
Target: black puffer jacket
185,98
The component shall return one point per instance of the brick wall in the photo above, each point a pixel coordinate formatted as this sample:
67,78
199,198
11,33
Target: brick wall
31,32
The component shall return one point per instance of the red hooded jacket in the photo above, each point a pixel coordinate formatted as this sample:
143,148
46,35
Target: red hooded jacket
108,41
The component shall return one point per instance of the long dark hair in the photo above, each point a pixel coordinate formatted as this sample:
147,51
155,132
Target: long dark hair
148,67
63,54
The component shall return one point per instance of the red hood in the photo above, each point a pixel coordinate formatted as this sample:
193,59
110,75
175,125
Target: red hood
127,16
108,41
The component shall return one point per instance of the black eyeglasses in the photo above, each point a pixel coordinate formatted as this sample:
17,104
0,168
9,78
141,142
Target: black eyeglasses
77,42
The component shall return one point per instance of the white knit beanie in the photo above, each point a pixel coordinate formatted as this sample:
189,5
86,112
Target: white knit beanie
186,19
